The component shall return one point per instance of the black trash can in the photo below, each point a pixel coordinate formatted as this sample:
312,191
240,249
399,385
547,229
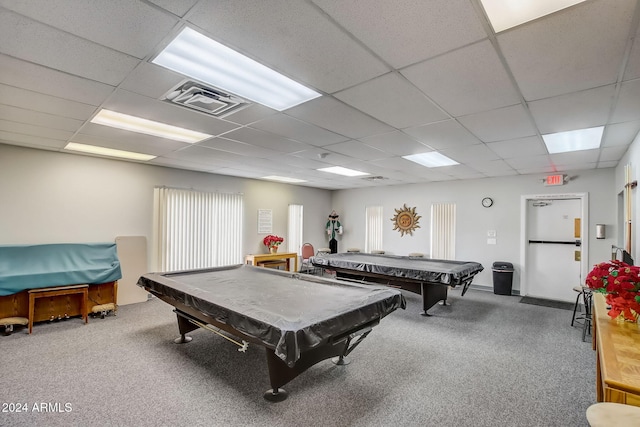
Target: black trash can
502,277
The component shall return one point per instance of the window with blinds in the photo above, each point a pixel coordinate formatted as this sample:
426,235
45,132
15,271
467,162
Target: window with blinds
443,231
294,235
373,228
194,229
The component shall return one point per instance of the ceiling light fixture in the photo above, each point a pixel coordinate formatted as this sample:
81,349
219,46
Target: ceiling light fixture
204,59
574,140
284,179
343,171
147,127
432,159
505,14
103,151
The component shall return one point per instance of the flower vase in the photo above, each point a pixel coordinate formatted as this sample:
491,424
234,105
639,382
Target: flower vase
273,249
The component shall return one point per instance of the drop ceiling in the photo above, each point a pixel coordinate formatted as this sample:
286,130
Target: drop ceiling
397,78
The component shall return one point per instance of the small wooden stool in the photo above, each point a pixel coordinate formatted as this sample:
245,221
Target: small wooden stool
608,414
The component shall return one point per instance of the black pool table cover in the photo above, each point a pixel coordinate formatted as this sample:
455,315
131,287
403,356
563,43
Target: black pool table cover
435,271
288,312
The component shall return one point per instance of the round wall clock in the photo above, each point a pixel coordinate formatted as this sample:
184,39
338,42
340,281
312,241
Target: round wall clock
406,220
487,202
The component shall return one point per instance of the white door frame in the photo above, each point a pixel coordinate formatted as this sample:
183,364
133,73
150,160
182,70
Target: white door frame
524,238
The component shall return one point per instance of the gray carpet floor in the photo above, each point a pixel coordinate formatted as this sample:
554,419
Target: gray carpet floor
483,360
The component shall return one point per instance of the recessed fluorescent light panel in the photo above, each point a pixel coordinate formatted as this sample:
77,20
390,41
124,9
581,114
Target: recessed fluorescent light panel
148,127
283,179
575,140
204,59
432,159
102,151
505,14
343,171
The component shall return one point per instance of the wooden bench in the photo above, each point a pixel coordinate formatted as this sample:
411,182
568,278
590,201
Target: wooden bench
61,303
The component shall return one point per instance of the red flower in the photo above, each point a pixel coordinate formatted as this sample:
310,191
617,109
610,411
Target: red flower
272,240
620,283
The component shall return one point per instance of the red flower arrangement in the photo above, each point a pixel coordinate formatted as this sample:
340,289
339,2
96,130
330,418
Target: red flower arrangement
620,282
272,241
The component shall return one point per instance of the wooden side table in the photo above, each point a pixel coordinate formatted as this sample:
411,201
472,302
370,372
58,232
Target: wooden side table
55,293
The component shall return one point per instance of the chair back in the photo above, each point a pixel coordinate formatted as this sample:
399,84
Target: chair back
307,251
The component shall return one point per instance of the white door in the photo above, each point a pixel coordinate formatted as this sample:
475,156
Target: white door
553,248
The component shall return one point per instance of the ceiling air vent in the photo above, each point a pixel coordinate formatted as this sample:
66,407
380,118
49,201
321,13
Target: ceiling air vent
375,178
205,99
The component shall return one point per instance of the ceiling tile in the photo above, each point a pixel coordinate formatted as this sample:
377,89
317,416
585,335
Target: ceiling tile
21,115
628,107
34,42
281,35
446,24
358,150
33,130
244,149
620,134
265,140
34,77
289,127
468,80
530,162
177,7
578,110
393,100
574,49
337,117
29,100
521,147
140,26
500,124
32,141
633,65
443,135
395,142
575,157
608,154
471,153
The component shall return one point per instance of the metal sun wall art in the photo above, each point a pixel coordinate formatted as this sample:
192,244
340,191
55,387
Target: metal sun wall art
406,220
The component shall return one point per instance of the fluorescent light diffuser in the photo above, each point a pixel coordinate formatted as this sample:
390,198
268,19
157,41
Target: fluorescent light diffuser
202,58
148,127
505,14
574,140
343,171
93,149
283,179
432,159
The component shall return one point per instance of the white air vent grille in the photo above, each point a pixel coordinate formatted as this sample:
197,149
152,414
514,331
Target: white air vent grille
206,99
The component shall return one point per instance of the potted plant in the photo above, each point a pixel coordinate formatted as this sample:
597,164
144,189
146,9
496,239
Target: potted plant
272,242
620,283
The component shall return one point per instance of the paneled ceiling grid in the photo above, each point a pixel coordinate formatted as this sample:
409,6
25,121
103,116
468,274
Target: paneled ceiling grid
396,78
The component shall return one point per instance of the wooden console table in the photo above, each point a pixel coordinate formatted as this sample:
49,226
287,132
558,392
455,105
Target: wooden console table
617,346
58,306
255,259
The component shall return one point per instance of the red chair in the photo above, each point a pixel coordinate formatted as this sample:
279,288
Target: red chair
307,252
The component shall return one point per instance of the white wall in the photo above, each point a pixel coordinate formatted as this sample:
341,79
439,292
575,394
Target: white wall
473,220
632,158
50,197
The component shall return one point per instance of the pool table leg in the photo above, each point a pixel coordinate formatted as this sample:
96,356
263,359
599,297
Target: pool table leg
431,294
184,326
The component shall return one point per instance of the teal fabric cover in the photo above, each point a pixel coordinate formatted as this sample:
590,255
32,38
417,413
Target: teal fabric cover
42,266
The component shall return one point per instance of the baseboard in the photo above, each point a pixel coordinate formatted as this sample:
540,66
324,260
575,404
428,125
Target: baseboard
489,288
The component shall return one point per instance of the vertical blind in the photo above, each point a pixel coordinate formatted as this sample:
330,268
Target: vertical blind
294,236
196,229
443,231
373,228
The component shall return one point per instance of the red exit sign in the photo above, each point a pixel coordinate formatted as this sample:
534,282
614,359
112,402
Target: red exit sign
554,180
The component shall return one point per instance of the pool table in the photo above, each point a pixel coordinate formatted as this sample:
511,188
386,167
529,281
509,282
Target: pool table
300,320
430,278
